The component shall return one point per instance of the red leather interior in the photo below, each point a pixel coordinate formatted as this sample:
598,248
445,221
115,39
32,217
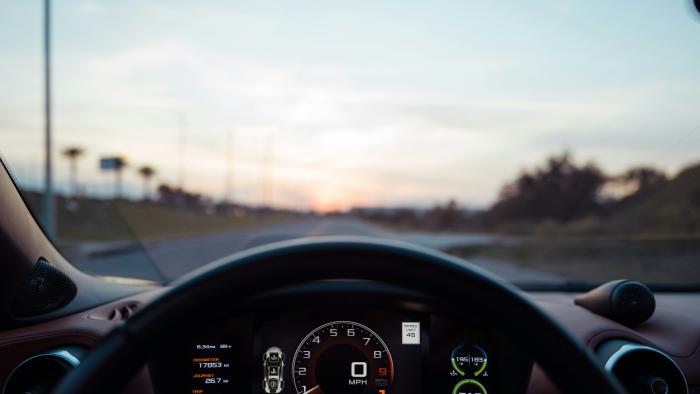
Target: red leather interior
674,328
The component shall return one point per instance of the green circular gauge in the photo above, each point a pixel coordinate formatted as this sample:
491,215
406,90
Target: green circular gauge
469,360
470,386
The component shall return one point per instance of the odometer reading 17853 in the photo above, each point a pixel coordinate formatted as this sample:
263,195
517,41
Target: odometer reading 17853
342,357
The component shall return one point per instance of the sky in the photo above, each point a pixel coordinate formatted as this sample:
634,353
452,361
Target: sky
325,105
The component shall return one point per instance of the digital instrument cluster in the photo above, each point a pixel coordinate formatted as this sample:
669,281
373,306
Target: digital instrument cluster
368,351
344,356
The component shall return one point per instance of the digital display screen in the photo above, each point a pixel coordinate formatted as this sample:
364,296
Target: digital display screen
218,359
345,351
462,361
370,351
211,367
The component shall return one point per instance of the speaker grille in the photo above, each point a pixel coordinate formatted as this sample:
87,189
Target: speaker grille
46,289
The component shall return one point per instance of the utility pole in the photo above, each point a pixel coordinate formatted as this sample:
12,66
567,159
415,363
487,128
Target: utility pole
48,214
266,169
182,150
228,182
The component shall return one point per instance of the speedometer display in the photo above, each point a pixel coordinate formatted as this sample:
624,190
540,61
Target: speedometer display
342,357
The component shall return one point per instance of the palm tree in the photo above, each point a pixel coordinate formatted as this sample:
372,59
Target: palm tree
119,164
72,154
147,173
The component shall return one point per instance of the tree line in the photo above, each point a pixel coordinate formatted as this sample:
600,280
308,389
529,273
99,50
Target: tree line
559,190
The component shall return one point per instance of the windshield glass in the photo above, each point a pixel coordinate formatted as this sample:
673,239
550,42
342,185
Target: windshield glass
553,142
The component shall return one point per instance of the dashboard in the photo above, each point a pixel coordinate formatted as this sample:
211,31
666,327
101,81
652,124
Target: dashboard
335,347
234,354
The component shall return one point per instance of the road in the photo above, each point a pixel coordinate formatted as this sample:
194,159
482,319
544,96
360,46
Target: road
168,259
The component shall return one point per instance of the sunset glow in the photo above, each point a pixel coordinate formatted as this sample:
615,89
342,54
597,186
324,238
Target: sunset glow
302,106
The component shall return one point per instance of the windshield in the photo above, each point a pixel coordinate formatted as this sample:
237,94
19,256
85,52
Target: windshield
553,142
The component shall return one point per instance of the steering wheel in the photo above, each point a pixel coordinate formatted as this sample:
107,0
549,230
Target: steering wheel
114,361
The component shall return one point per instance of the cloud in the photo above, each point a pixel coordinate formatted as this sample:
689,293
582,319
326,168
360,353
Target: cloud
453,113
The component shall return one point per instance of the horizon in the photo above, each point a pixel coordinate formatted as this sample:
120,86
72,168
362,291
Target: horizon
415,105
135,194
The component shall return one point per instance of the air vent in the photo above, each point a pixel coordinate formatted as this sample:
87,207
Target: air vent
39,374
118,312
642,369
124,312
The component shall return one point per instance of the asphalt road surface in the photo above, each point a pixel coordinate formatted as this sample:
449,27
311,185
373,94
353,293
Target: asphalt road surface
166,260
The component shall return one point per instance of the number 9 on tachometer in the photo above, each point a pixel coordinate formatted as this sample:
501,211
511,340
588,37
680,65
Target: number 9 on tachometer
342,357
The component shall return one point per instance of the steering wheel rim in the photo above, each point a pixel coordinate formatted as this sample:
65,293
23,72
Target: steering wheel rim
111,364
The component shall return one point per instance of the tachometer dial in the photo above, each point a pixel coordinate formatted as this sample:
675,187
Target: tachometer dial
342,357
